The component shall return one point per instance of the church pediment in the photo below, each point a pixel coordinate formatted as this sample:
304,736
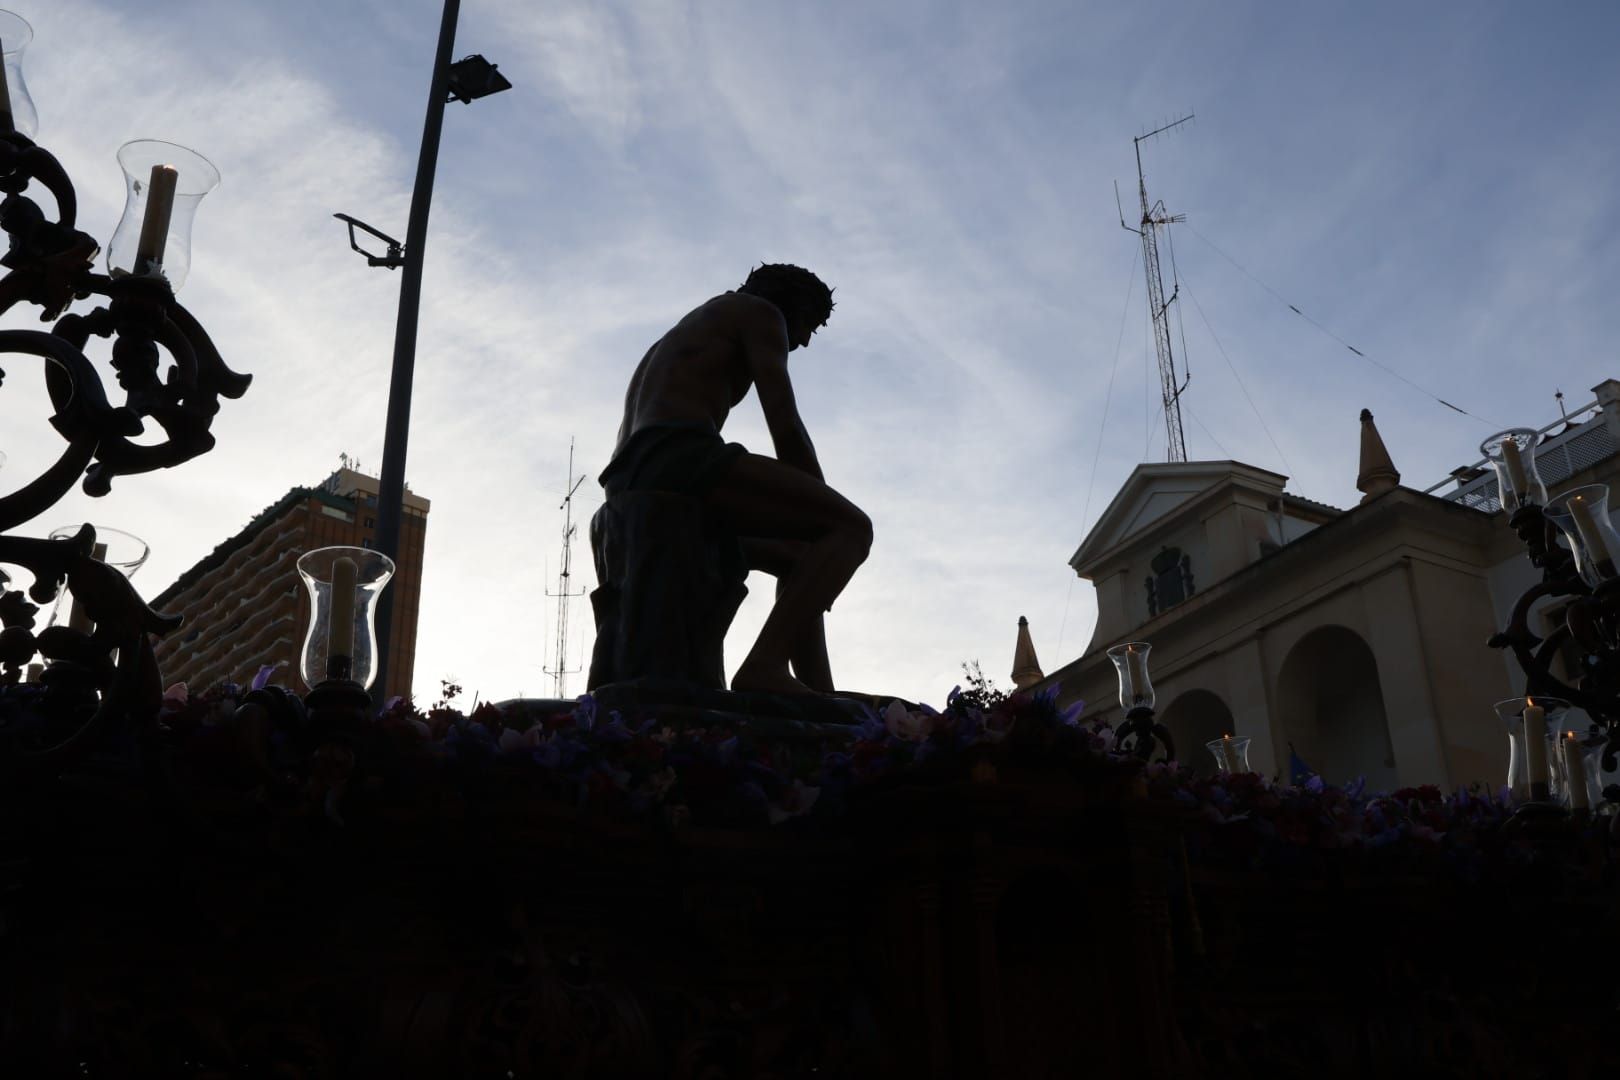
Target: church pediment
1156,493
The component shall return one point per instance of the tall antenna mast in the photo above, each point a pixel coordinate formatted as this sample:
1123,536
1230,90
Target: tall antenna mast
1153,218
565,591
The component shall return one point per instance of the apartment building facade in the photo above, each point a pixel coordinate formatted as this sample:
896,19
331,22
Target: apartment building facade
245,605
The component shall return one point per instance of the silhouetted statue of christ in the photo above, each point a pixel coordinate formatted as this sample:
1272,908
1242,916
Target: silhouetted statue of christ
788,521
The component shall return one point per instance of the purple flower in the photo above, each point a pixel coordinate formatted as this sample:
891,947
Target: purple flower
585,712
872,728
614,730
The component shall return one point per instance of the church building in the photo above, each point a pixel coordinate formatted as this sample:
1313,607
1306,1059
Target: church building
1355,637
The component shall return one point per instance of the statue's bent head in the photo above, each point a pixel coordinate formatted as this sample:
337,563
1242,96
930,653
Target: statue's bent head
796,291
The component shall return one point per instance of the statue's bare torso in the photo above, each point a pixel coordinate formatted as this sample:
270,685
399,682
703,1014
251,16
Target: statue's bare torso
699,370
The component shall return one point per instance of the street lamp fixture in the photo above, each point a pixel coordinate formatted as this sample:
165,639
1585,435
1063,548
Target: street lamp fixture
396,251
472,78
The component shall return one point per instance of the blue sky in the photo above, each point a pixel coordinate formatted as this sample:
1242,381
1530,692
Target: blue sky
1433,182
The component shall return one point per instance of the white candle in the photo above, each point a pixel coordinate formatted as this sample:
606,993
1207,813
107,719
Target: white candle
155,225
6,121
1229,755
78,618
1535,748
1515,468
1575,773
1596,547
1136,665
340,626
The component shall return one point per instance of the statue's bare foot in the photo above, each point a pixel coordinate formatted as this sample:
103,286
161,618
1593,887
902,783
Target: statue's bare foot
764,681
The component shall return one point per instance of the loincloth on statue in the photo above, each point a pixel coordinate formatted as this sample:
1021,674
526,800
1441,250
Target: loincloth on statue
687,459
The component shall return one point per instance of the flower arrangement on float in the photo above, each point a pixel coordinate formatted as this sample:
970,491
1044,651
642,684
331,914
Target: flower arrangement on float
719,773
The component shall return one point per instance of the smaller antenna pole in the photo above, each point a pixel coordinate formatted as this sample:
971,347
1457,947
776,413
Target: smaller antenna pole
565,591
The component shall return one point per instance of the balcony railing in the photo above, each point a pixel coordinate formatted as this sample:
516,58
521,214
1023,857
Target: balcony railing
1582,441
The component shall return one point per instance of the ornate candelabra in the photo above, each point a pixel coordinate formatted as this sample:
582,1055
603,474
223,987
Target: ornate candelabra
170,375
1138,733
1571,540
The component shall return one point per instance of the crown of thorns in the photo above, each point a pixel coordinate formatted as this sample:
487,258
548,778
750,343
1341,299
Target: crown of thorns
786,285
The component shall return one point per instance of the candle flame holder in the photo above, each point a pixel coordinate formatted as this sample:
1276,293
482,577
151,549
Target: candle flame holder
1138,733
1231,753
1584,572
325,656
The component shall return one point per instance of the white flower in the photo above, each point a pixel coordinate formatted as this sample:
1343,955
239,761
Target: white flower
907,726
513,741
796,801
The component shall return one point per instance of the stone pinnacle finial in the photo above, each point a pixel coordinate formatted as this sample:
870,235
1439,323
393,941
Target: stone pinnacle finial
1026,670
1378,473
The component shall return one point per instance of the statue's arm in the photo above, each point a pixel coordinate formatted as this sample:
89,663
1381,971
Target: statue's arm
767,347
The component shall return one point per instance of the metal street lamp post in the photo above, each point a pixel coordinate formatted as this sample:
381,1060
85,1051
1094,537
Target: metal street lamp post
465,81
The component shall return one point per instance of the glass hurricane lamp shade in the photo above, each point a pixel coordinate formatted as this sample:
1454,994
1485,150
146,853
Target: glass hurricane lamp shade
1582,514
1518,775
120,550
16,107
1577,771
124,552
1533,725
1512,453
1231,754
343,584
1592,769
1131,664
164,183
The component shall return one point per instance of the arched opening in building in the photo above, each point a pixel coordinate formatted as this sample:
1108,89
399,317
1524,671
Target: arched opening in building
1194,718
1331,708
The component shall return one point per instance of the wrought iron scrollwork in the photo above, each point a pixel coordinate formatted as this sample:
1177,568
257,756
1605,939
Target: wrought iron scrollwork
1591,621
1140,734
170,374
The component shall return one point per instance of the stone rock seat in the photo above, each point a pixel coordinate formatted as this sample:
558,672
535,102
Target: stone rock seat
670,580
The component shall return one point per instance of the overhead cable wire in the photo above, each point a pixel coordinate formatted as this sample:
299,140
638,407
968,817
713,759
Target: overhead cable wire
1158,419
1210,433
1295,309
1151,381
1091,485
1233,369
1175,279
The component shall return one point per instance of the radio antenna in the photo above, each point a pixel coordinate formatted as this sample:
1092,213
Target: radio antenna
1154,217
565,586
